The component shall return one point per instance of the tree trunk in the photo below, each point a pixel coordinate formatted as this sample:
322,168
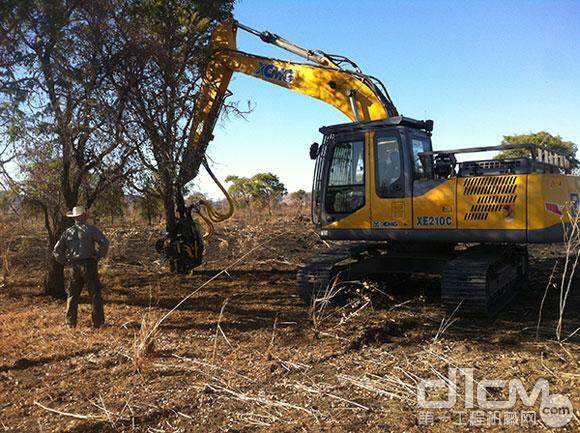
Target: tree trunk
169,204
54,283
169,207
54,279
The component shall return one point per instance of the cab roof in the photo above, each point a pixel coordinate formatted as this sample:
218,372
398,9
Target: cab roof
424,125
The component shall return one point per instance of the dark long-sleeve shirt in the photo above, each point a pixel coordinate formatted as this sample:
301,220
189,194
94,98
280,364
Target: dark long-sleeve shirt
78,243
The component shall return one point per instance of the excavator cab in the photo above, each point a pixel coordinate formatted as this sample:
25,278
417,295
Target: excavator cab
365,171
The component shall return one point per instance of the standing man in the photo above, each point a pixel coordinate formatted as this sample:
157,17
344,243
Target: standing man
76,247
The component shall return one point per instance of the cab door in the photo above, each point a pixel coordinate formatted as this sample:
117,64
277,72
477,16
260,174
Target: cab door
345,204
391,184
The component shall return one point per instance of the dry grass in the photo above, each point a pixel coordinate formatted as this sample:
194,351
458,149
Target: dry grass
342,301
164,363
144,342
446,322
319,307
572,255
219,330
563,277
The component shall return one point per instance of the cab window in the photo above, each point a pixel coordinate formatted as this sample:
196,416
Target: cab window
420,145
389,166
345,190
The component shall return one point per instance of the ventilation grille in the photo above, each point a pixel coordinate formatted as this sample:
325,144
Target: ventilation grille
490,185
495,194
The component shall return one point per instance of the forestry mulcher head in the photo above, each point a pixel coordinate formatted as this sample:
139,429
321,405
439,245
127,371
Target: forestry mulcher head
183,246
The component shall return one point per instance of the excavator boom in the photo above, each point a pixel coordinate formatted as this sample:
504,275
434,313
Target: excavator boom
355,94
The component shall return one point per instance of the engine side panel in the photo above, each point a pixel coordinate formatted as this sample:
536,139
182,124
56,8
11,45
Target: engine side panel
492,202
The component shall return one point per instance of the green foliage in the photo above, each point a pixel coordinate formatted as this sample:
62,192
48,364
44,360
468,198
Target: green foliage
267,189
40,182
543,138
162,48
241,189
9,201
150,204
298,197
58,111
262,189
195,196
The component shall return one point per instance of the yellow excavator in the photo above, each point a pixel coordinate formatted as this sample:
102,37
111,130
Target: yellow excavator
403,207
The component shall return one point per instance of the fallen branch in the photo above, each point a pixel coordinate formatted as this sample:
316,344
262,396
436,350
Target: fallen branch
312,390
263,401
572,257
377,387
219,329
69,414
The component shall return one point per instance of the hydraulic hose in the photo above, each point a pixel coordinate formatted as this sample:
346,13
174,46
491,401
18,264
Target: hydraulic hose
212,214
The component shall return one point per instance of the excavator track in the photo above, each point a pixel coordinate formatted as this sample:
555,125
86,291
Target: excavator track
482,280
365,259
479,281
314,277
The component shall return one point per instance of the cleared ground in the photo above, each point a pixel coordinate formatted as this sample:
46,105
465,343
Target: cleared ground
243,353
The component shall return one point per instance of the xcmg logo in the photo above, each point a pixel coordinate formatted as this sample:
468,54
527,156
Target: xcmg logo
268,70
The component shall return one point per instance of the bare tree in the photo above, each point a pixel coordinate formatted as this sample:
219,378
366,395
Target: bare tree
162,49
64,115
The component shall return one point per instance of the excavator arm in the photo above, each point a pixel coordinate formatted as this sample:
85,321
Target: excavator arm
360,97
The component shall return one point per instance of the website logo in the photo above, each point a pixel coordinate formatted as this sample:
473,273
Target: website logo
555,410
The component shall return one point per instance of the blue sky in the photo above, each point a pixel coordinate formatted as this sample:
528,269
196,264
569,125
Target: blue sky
479,69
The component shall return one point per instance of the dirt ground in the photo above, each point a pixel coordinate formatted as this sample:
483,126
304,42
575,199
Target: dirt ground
243,354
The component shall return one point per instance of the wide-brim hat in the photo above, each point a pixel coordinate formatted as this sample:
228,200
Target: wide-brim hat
77,211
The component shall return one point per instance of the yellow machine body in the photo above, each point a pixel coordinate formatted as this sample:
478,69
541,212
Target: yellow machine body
515,207
518,208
